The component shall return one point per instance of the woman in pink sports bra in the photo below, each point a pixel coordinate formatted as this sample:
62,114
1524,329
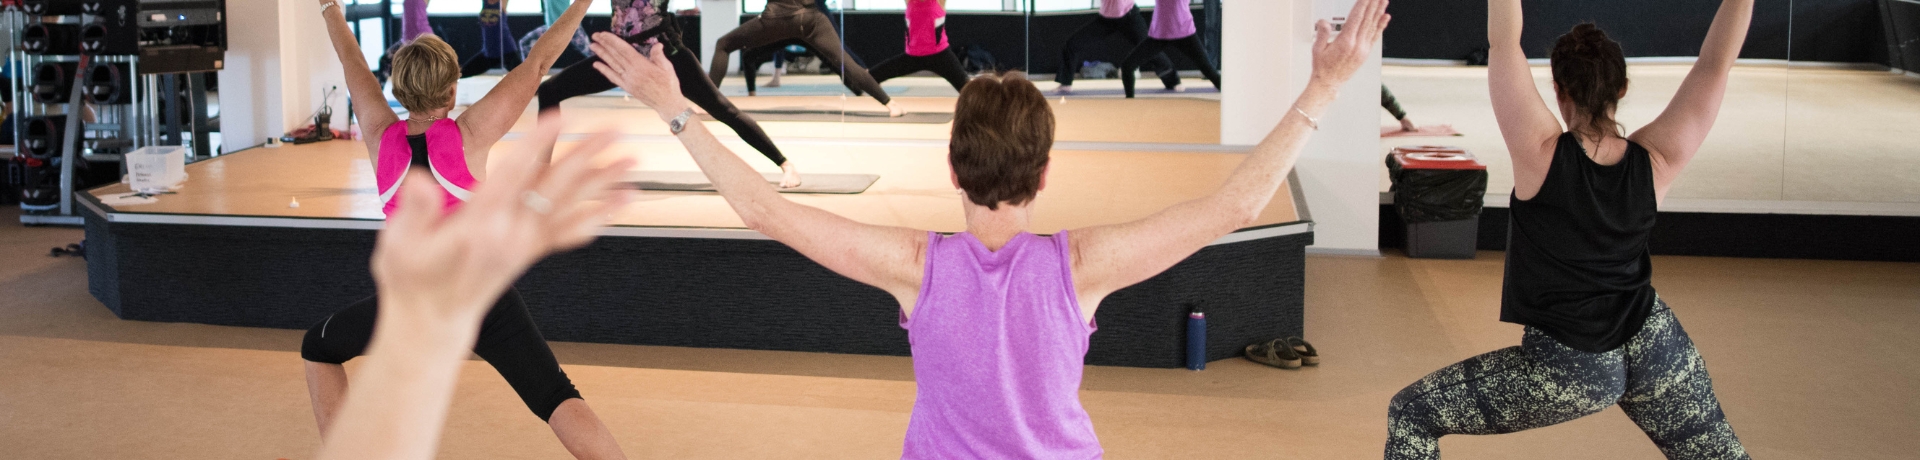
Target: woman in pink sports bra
998,318
926,46
425,75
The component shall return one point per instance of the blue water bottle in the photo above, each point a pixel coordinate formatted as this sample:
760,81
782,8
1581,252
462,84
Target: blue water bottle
1196,340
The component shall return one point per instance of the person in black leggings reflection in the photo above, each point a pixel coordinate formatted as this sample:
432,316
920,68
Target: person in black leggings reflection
498,46
926,46
642,23
1117,17
1579,277
790,19
1172,29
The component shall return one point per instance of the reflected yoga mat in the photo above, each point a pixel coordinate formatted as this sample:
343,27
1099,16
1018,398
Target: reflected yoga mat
695,181
1423,131
833,115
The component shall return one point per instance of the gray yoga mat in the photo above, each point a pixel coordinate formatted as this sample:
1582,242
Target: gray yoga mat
831,115
695,181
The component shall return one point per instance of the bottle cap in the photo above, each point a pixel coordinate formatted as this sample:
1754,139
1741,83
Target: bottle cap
1197,315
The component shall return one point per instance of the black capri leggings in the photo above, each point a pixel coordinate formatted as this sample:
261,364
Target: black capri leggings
943,63
508,340
1189,46
1658,378
581,79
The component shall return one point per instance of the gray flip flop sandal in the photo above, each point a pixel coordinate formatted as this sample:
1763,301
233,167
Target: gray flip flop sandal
1308,355
1274,353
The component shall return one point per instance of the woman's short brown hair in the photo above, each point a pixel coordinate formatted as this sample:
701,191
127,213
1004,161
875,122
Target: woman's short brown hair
1002,133
425,71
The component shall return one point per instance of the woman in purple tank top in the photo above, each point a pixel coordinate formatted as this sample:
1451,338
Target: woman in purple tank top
998,318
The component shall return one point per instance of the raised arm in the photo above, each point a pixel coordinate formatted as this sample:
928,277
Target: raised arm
490,117
885,257
368,102
1107,258
1525,122
438,274
1677,133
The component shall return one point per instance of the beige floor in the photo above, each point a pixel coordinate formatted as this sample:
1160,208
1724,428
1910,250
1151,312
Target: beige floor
1783,134
1813,360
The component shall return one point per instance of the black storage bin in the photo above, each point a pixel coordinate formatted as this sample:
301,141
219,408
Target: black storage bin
1440,206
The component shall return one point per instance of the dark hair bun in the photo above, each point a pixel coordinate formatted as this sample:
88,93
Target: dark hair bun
1591,71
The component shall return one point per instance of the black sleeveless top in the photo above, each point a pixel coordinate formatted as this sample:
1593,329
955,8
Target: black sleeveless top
418,142
1577,261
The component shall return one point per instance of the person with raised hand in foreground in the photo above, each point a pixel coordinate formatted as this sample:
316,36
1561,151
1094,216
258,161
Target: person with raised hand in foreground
1578,272
999,318
439,273
455,151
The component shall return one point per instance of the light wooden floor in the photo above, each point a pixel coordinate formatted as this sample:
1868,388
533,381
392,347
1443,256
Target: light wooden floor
1812,360
1783,134
1085,188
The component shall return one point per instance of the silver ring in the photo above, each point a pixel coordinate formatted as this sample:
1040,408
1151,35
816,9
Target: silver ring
539,204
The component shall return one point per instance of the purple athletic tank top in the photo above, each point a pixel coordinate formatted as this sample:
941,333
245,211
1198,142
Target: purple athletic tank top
998,349
445,157
1115,8
926,27
1172,19
413,20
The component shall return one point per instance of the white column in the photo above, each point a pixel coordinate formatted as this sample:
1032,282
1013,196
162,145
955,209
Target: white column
274,75
717,17
1265,61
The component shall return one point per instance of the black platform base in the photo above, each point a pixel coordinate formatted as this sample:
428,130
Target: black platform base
674,291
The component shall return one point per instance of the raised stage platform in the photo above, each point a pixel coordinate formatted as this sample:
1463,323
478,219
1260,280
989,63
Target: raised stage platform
678,268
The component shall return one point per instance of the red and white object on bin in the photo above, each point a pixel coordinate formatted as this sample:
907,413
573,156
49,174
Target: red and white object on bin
1436,157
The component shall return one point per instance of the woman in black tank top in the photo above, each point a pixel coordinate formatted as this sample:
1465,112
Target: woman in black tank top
1578,271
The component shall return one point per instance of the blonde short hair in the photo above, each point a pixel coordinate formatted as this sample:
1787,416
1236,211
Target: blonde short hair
425,71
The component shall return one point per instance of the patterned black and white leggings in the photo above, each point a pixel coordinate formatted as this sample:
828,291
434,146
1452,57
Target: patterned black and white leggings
1658,378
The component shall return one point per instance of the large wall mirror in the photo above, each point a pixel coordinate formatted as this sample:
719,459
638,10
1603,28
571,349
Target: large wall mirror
793,92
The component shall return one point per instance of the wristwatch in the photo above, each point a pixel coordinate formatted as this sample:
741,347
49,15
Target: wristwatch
679,123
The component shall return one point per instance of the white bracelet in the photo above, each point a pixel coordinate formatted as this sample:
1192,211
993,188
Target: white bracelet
1312,123
330,4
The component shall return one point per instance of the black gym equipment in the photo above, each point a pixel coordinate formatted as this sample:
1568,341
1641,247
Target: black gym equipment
109,83
43,135
53,81
52,7
55,39
103,37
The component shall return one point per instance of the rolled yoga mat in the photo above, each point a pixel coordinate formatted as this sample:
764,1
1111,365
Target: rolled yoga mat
695,181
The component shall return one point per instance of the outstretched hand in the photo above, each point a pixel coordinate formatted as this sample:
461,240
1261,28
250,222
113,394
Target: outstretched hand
449,267
648,78
1335,59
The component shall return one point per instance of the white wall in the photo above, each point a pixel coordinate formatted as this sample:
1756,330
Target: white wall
274,74
1339,169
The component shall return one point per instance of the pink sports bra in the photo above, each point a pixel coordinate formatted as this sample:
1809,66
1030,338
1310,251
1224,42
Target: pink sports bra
446,158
